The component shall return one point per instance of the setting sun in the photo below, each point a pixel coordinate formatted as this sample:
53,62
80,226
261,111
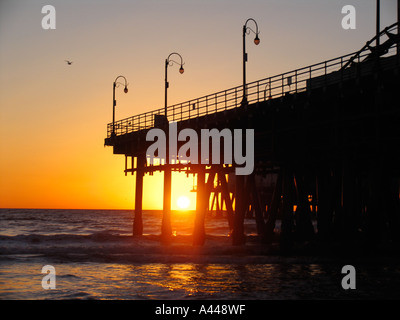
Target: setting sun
183,202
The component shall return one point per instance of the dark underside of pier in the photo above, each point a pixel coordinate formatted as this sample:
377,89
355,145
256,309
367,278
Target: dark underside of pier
330,149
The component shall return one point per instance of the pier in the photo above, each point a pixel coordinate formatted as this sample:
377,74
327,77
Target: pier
326,149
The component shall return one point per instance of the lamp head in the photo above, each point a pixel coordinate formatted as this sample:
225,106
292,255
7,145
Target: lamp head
126,90
256,40
181,70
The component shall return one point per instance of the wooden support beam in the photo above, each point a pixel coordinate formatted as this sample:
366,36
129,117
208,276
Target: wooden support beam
138,222
286,236
187,167
374,215
273,209
255,203
238,236
349,196
202,203
227,198
218,212
304,227
218,203
326,196
126,165
166,229
209,187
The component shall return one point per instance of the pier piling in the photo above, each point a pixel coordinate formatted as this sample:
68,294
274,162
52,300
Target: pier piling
138,221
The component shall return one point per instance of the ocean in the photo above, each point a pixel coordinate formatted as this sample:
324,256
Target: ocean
95,257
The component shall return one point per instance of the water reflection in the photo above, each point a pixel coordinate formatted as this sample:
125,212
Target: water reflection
216,280
202,281
196,281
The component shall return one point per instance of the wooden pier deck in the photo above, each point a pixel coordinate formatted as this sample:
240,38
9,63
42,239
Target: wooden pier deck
328,134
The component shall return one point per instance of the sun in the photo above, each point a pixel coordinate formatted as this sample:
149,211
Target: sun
183,202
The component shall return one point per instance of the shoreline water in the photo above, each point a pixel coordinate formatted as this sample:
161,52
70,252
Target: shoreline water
96,258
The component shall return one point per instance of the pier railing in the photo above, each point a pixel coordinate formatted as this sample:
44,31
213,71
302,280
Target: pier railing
311,77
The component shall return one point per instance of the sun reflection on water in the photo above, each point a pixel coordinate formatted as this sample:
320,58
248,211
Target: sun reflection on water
183,281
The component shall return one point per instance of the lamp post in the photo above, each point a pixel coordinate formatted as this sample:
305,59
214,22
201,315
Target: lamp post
166,229
378,18
238,237
116,84
256,42
170,62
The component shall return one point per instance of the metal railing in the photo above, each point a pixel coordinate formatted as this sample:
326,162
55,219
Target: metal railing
299,80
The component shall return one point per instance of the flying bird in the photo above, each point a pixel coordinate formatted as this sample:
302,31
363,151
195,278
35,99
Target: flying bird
69,62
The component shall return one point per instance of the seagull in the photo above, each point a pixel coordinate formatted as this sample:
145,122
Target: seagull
69,62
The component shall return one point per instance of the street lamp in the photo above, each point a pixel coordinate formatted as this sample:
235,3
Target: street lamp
166,230
116,84
256,42
170,62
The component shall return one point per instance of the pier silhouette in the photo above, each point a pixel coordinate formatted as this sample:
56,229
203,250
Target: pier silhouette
326,150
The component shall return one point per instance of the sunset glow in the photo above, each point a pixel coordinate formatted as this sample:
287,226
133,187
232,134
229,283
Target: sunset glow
183,202
205,156
54,115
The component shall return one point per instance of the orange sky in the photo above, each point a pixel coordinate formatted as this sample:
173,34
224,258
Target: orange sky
53,116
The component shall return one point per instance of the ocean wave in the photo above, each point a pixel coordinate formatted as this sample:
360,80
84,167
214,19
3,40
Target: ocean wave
80,295
109,247
68,276
37,238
